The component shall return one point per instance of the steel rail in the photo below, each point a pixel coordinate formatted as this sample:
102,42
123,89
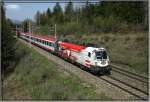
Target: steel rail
128,90
131,76
123,70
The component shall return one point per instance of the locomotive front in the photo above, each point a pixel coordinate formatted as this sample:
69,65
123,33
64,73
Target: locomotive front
100,61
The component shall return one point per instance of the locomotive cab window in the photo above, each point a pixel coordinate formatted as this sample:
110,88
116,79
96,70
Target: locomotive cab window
89,54
101,55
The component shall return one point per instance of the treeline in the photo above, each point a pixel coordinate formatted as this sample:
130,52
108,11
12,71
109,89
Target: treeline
7,44
112,16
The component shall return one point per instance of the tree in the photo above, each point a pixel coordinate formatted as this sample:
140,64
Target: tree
43,18
87,11
57,13
25,24
49,16
132,12
78,14
37,18
48,13
7,43
69,12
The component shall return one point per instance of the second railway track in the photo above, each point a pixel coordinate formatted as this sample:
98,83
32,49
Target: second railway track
126,87
129,73
130,79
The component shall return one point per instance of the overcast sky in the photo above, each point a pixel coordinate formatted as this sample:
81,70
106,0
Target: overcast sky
21,11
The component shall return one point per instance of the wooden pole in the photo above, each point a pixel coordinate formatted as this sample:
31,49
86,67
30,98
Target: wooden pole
55,31
16,30
30,32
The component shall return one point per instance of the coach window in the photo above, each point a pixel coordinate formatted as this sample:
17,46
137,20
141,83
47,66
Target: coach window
50,44
89,54
45,42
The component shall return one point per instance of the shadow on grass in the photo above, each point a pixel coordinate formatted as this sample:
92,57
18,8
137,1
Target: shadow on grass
18,56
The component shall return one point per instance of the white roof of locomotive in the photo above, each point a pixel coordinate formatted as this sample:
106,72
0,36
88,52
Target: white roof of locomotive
90,49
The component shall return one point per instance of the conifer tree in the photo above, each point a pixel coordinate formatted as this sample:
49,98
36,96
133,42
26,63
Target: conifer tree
69,12
57,13
7,44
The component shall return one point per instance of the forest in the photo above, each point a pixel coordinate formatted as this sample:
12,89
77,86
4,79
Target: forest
98,17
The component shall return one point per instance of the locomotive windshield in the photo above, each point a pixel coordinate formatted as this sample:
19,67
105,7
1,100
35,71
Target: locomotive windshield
101,54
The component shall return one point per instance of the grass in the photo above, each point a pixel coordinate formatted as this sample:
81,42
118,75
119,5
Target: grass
35,77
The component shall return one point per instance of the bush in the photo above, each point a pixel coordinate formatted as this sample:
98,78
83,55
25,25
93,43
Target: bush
44,30
109,24
69,28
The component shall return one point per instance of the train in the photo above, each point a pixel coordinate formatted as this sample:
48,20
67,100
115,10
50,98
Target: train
88,58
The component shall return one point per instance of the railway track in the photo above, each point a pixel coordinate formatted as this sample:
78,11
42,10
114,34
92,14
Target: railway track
132,81
130,74
126,87
140,94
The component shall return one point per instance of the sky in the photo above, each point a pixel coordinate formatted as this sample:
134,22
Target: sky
21,11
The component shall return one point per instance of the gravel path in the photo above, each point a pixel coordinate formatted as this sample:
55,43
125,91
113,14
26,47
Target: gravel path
101,85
